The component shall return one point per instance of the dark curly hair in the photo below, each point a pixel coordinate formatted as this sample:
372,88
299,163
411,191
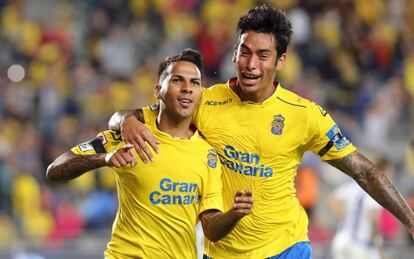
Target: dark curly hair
190,55
267,19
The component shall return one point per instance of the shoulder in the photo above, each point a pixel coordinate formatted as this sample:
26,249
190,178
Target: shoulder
201,142
290,98
107,139
150,113
216,90
295,101
104,142
216,96
111,136
206,150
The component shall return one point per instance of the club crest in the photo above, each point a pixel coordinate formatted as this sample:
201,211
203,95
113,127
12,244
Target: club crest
212,158
278,124
155,106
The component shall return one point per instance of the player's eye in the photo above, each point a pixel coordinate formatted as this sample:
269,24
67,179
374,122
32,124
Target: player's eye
196,82
244,53
176,80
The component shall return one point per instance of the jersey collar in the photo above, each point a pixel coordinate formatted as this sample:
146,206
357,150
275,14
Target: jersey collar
165,135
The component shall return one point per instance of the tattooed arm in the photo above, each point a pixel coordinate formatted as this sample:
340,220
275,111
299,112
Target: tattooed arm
70,165
374,181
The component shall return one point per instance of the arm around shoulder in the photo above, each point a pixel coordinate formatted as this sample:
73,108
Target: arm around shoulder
130,123
118,118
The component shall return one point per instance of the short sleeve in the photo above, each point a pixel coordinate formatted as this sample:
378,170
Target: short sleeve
327,139
212,195
104,142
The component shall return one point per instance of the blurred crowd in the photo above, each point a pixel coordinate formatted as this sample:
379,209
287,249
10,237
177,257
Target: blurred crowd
83,60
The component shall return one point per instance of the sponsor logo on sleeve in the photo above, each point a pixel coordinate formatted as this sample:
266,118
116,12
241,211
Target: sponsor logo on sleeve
154,107
336,137
102,138
278,124
322,110
85,146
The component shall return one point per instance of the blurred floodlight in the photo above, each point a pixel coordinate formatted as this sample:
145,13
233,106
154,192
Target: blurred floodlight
15,73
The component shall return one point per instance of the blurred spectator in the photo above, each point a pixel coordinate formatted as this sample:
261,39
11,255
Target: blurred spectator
117,53
68,223
358,216
307,186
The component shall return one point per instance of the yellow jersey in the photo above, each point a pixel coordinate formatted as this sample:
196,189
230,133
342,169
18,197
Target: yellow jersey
159,202
260,147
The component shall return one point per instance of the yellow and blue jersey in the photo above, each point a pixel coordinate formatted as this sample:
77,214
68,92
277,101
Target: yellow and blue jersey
260,147
159,203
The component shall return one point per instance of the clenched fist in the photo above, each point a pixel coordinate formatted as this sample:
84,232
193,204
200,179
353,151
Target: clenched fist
243,203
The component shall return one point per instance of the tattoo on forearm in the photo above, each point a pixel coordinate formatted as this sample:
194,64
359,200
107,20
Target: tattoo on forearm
356,166
375,183
70,166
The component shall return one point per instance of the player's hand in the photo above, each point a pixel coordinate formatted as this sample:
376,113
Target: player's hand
121,157
136,133
243,203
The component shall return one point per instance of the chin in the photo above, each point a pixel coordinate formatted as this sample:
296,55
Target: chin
185,114
250,88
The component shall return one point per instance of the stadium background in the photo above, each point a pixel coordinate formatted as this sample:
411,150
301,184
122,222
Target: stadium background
82,60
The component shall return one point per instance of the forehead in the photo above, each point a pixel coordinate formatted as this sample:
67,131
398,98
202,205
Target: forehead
184,68
258,40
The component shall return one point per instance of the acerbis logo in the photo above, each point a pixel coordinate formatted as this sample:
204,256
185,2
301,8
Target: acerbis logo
215,103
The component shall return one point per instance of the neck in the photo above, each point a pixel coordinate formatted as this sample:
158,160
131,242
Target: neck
179,128
255,97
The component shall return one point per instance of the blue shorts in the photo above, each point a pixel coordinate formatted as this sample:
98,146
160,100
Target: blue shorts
301,250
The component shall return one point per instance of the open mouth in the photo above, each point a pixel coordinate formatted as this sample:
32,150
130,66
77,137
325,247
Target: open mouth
250,76
185,102
249,79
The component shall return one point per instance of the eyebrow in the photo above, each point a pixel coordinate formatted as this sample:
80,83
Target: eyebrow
182,77
259,51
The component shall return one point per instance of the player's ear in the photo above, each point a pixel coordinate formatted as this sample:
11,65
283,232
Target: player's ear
157,89
281,61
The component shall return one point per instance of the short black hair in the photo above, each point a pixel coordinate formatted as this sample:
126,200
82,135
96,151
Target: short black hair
190,55
267,19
